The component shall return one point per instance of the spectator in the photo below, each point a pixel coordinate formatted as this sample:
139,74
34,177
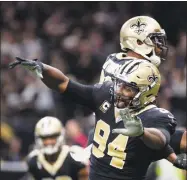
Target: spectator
74,133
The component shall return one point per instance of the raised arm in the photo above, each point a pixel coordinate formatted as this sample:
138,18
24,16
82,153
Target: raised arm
56,80
52,77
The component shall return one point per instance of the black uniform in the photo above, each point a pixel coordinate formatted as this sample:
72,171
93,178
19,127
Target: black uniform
176,140
115,156
65,167
166,151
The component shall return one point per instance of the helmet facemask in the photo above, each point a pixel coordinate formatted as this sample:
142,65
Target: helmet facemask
158,41
134,103
49,135
146,30
50,149
121,100
142,80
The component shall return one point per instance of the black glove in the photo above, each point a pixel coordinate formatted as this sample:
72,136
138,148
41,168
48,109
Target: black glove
32,65
181,161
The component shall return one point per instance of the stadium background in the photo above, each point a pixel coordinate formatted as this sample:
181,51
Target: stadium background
75,37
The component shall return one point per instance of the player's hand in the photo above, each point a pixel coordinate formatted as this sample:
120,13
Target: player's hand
133,124
181,161
31,65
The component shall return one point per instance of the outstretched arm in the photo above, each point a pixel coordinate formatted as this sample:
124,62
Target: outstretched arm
54,78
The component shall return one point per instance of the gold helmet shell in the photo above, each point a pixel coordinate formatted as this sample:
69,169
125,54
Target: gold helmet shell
143,76
143,34
49,127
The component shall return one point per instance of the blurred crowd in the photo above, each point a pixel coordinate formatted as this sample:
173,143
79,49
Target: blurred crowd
75,37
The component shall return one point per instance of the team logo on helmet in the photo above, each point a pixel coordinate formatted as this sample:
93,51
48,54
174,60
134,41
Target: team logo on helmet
138,26
152,78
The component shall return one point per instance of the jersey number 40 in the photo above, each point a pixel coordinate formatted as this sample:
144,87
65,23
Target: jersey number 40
115,148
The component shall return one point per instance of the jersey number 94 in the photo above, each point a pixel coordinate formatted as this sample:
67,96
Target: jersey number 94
115,148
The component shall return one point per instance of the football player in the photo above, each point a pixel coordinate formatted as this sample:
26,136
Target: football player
141,37
52,159
137,45
178,139
117,156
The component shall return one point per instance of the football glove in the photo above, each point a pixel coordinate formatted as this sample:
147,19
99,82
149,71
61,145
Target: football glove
32,65
181,162
133,124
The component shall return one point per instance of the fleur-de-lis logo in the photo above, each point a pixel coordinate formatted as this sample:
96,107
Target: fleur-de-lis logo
138,26
152,78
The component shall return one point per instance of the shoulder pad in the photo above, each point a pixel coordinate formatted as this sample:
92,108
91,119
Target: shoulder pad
31,159
161,112
33,153
110,56
164,116
103,85
120,56
113,62
116,56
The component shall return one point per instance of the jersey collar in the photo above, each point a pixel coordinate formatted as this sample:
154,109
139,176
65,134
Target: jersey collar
53,168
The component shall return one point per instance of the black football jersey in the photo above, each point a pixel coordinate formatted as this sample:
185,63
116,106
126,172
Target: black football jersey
164,153
176,140
115,156
65,167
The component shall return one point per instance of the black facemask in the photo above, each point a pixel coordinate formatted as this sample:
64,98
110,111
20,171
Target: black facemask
159,40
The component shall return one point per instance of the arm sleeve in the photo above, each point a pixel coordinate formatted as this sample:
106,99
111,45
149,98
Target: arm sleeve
166,134
176,140
167,151
82,94
164,153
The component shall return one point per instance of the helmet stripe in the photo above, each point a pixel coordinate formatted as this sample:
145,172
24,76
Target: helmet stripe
129,70
126,64
129,66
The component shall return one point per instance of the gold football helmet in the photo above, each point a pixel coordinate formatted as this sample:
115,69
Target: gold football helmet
144,35
143,78
49,127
